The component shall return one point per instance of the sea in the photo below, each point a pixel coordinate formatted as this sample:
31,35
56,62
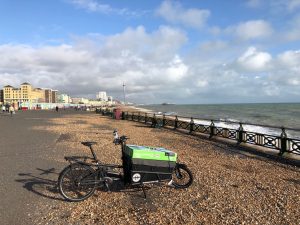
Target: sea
267,117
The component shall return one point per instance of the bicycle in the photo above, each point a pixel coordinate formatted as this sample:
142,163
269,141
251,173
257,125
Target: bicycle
79,180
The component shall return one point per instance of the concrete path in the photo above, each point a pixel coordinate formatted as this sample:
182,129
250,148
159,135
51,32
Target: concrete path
27,165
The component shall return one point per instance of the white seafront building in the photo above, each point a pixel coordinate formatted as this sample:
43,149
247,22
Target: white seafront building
102,96
80,101
64,98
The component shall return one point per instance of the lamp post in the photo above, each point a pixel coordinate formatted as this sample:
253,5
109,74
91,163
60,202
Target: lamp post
124,93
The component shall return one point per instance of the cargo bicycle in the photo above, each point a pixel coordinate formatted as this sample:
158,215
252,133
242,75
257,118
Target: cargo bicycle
140,165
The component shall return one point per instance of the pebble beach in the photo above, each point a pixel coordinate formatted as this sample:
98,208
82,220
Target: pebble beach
230,187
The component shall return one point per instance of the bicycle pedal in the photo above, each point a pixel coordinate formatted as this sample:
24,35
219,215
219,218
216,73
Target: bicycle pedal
170,184
108,180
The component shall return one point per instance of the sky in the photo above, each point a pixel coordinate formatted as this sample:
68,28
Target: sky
184,52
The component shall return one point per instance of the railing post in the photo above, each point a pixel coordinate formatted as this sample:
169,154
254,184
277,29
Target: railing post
154,122
240,134
164,120
283,138
191,125
212,129
176,122
132,114
145,117
127,115
123,115
139,116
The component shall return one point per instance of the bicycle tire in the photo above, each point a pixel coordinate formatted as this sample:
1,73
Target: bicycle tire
75,190
182,177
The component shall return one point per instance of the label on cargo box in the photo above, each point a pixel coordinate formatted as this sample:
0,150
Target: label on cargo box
136,177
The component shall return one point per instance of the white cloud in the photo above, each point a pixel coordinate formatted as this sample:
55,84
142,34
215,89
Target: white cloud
290,59
254,3
160,45
97,6
176,69
275,6
253,29
201,83
153,69
293,5
253,60
272,90
294,81
213,46
143,60
292,32
173,12
92,5
292,35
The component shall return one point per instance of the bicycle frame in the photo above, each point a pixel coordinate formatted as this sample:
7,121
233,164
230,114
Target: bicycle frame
102,174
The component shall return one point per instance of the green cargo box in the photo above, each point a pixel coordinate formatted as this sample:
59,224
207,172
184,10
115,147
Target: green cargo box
150,153
147,164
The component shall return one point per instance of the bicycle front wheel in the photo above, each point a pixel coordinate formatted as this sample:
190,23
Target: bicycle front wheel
77,182
182,177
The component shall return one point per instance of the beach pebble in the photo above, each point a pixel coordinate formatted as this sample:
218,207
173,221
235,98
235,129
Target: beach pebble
228,188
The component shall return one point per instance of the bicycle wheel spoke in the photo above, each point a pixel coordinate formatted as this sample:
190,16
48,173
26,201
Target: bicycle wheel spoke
182,177
77,182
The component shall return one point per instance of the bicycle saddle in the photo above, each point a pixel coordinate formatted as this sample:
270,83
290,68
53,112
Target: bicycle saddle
88,143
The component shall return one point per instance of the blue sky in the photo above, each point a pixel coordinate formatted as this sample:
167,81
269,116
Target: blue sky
176,51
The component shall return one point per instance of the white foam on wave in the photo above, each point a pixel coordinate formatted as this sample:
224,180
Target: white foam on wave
235,126
141,109
231,124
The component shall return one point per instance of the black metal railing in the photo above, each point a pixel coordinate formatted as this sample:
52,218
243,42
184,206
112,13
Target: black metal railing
282,143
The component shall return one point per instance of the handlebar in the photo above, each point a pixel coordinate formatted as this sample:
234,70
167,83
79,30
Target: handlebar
119,140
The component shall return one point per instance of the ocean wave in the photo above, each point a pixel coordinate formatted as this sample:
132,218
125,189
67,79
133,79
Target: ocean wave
229,125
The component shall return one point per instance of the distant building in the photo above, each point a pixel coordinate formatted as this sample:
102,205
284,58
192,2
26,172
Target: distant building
102,96
109,98
1,97
50,95
80,101
26,93
64,98
54,96
39,95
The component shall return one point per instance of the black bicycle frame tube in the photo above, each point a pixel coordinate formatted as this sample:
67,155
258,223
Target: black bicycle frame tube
123,146
94,155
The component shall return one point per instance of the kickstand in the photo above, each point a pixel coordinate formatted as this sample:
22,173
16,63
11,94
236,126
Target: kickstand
107,187
144,191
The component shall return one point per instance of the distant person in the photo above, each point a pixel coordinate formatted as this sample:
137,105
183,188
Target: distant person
3,108
11,110
56,108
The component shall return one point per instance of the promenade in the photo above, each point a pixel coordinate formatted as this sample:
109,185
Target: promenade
230,186
27,165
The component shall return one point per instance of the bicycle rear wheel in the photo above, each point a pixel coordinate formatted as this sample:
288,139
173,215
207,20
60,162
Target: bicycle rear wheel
182,177
77,182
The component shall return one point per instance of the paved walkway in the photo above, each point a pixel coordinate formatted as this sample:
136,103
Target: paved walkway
27,165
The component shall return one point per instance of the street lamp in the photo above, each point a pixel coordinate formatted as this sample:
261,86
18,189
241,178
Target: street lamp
124,93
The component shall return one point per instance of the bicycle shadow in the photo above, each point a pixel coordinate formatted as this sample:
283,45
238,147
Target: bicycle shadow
135,193
41,185
44,186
